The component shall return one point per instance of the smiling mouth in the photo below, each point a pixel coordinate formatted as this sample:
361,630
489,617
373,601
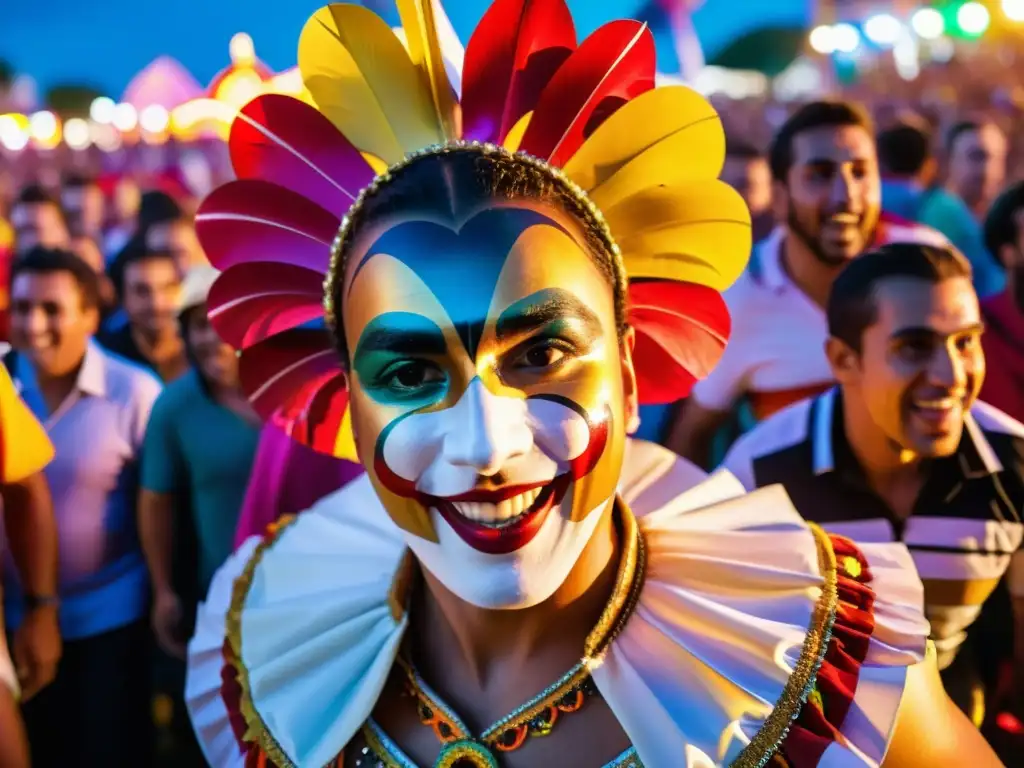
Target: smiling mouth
502,521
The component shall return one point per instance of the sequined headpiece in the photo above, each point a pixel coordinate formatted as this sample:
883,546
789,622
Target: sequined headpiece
643,160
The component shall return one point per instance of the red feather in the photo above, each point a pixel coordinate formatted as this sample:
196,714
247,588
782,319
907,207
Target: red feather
612,66
248,220
681,331
283,140
511,56
250,302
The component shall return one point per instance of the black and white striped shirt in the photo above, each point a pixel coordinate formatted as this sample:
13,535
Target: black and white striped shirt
964,530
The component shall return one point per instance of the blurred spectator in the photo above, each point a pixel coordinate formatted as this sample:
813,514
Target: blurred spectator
199,452
178,237
157,207
150,291
746,170
88,251
1004,313
95,407
826,197
83,204
977,153
901,450
287,478
909,190
38,220
25,450
123,215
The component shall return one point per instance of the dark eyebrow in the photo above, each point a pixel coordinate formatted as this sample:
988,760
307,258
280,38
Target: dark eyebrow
401,333
923,331
543,308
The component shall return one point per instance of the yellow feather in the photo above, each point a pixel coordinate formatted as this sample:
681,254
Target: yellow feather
664,136
345,443
515,136
697,232
425,52
361,78
378,165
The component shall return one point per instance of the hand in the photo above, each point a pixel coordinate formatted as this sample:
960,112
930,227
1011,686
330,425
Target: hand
166,621
37,649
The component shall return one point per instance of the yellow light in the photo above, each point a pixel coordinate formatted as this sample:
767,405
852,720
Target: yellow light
76,133
1013,10
102,110
973,18
43,126
125,118
822,39
14,133
928,23
242,49
240,87
154,119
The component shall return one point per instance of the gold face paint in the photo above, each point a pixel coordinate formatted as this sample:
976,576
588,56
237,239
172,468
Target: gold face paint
486,374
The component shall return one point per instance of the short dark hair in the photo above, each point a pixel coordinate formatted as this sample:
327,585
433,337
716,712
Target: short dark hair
1000,228
34,194
743,150
78,180
904,149
817,114
135,252
960,128
156,207
851,302
46,261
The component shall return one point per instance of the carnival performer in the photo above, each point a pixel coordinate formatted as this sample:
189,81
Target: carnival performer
488,335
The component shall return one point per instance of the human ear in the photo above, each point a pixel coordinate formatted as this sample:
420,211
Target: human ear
630,398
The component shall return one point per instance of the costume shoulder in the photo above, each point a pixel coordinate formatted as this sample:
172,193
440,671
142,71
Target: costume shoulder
308,602
757,637
729,637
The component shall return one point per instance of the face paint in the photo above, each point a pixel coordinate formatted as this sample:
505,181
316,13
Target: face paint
487,396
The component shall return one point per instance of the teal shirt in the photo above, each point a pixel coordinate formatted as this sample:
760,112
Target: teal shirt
197,447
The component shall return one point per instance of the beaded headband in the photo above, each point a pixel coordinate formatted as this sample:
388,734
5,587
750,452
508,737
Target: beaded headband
642,162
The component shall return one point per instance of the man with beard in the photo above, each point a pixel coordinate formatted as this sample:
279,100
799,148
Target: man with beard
149,285
1004,313
977,151
826,197
902,450
467,327
95,407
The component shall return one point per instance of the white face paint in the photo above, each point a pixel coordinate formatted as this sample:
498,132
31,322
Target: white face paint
512,544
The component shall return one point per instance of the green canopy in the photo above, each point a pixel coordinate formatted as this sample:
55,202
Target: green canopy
768,50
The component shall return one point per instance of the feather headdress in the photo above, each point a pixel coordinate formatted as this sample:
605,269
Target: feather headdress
647,158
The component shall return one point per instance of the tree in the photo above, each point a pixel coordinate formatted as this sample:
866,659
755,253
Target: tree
72,99
6,74
768,50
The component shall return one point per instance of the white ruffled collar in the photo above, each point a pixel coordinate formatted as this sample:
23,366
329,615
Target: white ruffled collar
730,591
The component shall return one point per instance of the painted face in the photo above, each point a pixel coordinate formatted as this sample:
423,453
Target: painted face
489,395
832,196
922,365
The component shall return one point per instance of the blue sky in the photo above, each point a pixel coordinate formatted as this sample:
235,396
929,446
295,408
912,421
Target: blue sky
105,42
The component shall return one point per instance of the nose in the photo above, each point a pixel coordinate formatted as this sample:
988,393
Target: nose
948,369
487,430
841,194
35,322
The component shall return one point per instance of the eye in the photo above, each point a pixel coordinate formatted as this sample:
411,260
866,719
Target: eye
546,354
412,375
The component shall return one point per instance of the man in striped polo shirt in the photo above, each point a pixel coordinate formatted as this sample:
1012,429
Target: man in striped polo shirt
826,198
901,450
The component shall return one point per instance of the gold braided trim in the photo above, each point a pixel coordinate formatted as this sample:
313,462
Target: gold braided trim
771,735
256,731
553,174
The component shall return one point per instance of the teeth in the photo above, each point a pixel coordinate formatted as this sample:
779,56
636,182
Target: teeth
939,405
496,514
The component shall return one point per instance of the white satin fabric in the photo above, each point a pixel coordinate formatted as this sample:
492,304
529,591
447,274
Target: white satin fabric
730,587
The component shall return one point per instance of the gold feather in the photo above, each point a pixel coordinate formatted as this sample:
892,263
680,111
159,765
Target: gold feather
362,79
425,51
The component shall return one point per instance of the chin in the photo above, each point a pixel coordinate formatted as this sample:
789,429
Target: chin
511,581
